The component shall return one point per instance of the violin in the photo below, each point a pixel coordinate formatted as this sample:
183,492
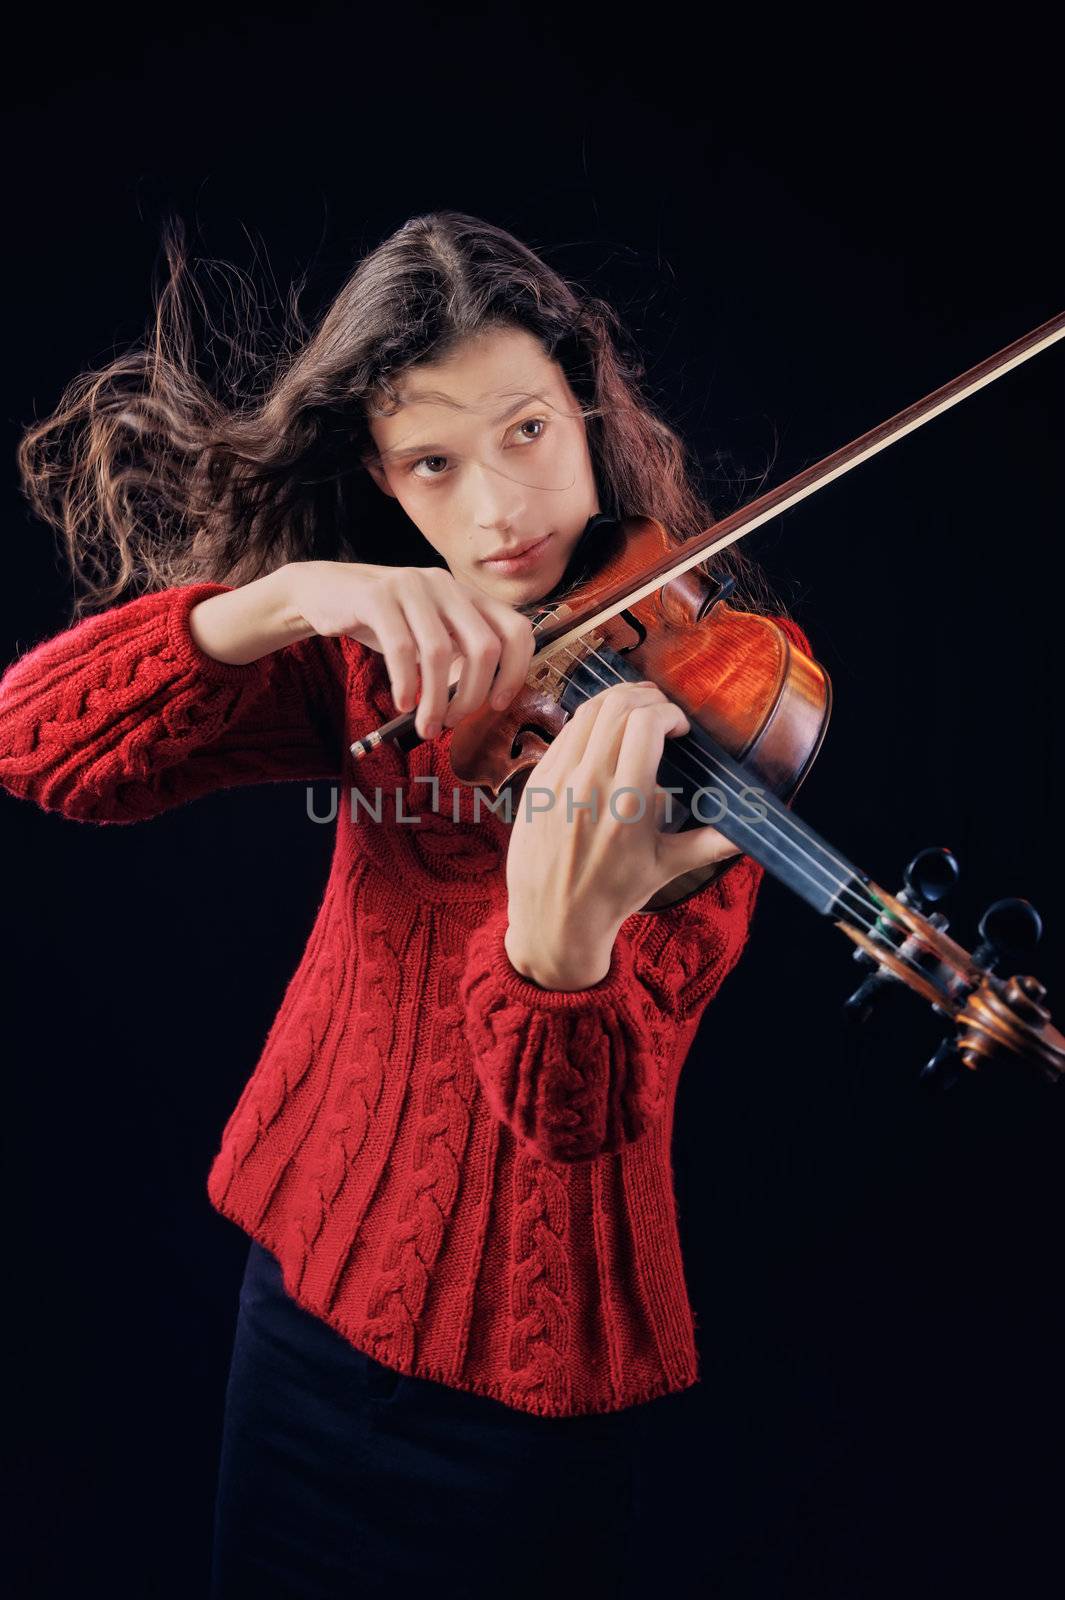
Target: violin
636,604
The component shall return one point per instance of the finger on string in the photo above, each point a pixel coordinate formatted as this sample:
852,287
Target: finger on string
640,755
701,846
602,751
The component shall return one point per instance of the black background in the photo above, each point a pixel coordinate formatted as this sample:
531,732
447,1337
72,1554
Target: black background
804,236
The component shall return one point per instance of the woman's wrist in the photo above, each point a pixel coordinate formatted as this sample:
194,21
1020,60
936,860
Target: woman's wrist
555,964
251,621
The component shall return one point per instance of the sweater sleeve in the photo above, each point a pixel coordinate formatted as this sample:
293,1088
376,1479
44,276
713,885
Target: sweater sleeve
124,716
583,1073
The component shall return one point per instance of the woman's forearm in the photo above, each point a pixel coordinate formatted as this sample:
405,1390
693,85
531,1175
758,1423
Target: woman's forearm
248,622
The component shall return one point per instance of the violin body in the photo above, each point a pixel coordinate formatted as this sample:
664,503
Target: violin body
734,673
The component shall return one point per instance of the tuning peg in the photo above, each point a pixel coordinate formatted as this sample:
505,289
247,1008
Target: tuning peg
1009,930
858,1006
943,1070
930,877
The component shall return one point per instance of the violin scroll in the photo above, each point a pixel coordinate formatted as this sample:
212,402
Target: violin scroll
1008,1018
996,1020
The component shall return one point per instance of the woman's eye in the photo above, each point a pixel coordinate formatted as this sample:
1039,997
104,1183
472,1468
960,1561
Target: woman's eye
421,461
530,422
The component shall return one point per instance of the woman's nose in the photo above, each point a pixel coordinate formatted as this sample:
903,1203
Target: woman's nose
496,503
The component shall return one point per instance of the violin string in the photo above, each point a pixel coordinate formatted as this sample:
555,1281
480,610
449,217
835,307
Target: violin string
839,880
860,903
866,914
842,868
869,915
820,876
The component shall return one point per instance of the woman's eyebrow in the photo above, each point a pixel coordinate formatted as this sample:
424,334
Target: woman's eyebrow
398,451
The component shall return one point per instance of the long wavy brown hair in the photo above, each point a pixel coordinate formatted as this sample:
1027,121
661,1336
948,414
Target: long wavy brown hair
156,477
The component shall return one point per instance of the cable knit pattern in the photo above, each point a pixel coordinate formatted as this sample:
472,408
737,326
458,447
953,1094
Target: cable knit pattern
124,716
574,1074
465,1175
342,1122
443,1117
541,1346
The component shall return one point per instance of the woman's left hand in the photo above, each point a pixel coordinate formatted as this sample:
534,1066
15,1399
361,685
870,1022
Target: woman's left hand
595,852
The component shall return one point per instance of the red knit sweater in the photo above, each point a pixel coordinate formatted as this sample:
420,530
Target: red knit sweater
466,1175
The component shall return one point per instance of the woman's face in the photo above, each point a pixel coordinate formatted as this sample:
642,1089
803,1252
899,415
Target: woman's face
486,453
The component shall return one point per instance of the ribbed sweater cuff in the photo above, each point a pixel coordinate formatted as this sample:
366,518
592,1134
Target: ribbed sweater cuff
490,948
184,647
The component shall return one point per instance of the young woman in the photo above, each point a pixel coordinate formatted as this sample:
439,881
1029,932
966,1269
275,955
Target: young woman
464,1307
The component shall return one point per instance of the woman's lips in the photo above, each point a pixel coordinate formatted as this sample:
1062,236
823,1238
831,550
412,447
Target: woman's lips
508,564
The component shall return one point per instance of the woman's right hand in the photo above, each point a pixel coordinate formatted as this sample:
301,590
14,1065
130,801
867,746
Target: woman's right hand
423,621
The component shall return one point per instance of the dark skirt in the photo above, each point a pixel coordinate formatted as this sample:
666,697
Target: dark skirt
341,1477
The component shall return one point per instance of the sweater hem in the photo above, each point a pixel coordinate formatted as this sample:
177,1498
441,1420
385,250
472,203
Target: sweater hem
662,1386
